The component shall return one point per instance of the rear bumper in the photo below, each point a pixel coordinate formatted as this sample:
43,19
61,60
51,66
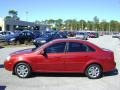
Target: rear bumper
109,67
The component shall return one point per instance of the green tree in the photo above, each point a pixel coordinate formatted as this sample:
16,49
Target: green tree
8,17
114,25
59,24
37,22
68,24
119,26
12,15
82,24
50,21
104,26
89,25
74,24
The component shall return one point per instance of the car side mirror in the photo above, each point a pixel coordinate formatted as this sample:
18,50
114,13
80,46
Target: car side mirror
42,52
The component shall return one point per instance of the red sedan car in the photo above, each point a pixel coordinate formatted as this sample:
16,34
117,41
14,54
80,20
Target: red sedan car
62,55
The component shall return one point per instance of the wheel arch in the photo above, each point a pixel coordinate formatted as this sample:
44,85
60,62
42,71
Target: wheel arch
97,63
21,62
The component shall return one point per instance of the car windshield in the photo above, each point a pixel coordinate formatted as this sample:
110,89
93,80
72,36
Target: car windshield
79,33
93,33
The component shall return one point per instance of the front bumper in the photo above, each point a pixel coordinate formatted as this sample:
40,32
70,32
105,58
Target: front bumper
8,65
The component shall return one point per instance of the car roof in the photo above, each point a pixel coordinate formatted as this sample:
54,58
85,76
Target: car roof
68,40
74,40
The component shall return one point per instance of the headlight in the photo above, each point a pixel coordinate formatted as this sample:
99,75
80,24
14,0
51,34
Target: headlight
12,39
43,41
8,58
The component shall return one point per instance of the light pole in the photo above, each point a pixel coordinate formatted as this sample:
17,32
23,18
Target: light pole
82,25
27,15
109,27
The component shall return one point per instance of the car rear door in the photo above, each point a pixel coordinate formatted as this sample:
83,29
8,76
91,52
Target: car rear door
77,56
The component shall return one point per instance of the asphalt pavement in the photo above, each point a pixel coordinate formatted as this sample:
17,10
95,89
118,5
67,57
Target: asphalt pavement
49,81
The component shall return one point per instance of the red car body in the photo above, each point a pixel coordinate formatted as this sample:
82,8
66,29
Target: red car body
71,62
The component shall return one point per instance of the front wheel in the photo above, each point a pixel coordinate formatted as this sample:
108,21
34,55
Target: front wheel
93,71
22,70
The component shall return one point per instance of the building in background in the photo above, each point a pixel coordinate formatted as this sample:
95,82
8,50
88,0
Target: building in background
12,25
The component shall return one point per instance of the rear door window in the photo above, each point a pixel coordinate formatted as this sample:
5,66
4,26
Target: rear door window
79,47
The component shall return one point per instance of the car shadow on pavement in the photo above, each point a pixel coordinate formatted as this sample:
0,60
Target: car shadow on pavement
112,73
57,75
1,66
2,87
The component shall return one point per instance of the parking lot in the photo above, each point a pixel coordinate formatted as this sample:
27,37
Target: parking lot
110,81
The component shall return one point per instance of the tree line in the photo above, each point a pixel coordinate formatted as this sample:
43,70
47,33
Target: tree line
73,24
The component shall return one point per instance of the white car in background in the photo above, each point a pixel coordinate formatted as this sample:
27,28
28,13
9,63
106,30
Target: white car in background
81,35
116,35
3,34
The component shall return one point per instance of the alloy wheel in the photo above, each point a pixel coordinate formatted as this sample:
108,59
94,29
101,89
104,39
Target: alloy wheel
22,70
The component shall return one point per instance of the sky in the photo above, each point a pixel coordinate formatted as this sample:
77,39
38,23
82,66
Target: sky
64,9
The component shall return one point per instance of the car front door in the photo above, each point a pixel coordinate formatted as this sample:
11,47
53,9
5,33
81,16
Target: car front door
53,60
76,56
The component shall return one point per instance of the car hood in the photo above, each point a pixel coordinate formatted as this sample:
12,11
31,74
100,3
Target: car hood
25,51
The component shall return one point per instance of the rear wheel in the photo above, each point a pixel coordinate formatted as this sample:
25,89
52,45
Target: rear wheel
93,71
22,70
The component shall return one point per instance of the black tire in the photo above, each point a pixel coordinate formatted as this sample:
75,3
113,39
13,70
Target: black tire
31,42
18,42
93,71
13,43
22,70
26,42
